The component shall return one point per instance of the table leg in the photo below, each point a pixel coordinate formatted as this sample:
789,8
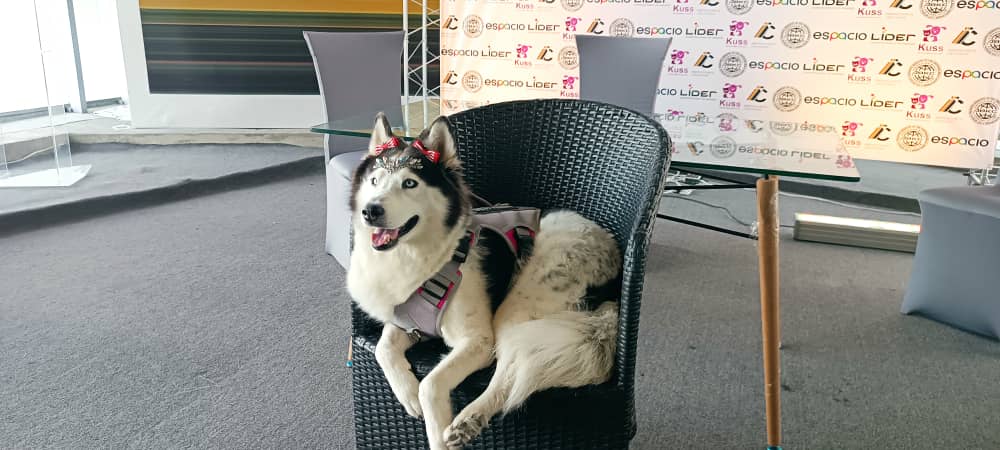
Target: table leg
767,250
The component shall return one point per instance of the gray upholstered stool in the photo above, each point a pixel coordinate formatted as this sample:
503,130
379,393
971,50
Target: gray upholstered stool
956,271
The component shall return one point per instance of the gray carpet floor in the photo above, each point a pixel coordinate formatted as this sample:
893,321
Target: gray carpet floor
218,322
119,169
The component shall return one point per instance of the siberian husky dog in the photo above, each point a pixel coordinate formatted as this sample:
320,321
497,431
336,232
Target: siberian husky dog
410,210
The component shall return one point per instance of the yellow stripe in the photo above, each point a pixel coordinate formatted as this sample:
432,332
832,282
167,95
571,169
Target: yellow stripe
320,6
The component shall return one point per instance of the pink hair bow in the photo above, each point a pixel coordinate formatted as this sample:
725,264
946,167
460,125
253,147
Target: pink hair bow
432,155
390,144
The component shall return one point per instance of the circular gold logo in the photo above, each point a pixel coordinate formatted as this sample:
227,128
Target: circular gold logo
795,35
621,27
924,72
787,99
936,9
722,147
985,111
732,64
912,138
783,128
473,26
739,7
991,43
569,58
572,5
472,81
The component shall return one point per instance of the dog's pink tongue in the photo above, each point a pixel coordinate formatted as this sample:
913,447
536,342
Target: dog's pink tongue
383,236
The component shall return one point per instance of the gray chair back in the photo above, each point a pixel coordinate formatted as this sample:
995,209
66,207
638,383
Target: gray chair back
603,77
359,75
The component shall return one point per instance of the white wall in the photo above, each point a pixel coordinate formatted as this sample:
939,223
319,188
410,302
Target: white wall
22,80
100,49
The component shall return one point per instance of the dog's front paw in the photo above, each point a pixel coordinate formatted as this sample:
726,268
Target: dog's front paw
407,396
463,430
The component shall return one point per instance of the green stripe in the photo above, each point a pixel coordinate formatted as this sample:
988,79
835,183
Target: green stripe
267,18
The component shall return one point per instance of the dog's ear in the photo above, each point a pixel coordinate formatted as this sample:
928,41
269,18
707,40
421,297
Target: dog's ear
381,133
438,137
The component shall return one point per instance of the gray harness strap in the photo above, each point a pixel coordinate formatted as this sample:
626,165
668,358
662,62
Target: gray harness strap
420,315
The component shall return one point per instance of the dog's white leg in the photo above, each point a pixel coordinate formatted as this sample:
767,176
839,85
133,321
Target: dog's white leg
390,354
469,423
466,357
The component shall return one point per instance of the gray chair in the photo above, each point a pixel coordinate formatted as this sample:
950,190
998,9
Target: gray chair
359,74
955,270
603,79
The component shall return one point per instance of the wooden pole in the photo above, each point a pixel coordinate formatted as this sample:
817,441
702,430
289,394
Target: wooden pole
767,251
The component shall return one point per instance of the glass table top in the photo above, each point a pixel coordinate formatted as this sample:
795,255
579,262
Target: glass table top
726,142
348,130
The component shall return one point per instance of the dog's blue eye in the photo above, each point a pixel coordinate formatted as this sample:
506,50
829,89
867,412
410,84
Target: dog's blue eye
409,183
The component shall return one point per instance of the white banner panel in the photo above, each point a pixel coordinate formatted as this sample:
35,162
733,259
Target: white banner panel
914,81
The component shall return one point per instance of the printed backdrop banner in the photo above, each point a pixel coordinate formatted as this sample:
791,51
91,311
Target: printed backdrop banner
914,81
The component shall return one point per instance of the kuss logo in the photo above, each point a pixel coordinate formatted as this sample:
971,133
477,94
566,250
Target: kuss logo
918,106
849,129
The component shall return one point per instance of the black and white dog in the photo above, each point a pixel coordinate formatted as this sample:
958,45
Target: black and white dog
411,210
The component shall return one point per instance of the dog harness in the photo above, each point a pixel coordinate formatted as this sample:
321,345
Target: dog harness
420,315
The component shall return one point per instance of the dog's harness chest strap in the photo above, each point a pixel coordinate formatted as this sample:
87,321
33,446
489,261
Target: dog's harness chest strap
420,315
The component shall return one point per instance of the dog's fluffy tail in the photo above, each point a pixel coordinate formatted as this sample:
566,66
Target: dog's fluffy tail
567,349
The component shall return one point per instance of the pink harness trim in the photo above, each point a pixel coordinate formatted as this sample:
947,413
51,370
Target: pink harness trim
420,315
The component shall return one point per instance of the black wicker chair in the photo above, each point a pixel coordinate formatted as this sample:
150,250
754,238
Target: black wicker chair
602,161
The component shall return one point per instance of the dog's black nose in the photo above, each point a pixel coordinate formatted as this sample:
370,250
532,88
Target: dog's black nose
373,212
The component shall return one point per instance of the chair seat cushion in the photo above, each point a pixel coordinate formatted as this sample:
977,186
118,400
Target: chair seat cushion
982,200
345,163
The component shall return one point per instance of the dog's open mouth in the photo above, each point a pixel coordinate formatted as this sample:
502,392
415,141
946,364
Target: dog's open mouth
386,238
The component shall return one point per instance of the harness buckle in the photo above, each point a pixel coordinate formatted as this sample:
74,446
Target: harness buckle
462,252
414,335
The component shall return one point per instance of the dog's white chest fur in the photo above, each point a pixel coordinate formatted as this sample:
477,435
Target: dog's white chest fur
380,281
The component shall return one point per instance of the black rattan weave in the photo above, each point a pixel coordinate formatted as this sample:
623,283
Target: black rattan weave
602,161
